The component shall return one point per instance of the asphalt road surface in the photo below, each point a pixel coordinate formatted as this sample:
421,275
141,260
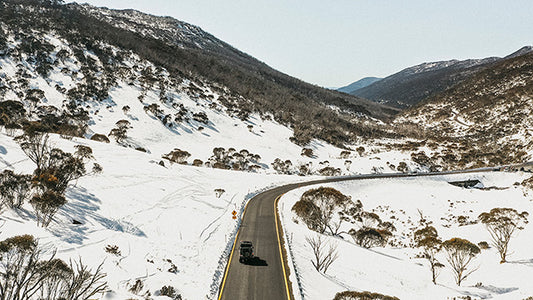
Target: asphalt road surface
264,277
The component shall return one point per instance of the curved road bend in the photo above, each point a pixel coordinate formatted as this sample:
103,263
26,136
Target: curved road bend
263,278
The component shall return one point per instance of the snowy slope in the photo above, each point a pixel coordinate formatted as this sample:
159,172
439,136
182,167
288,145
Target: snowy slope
396,271
152,213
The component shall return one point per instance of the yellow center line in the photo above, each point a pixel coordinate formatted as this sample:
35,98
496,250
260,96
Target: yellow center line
231,255
279,246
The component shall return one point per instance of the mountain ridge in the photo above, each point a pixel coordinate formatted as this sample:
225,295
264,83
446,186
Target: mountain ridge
359,84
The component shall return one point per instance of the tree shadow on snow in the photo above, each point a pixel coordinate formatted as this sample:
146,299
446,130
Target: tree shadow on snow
525,262
497,290
82,212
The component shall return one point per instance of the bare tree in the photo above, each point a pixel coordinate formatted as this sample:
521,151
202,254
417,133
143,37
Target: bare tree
36,146
428,239
460,253
58,273
20,273
84,284
23,276
501,224
324,256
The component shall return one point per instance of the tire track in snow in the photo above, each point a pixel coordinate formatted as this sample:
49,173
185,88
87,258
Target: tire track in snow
218,218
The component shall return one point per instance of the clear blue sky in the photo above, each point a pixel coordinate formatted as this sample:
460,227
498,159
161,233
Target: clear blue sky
333,43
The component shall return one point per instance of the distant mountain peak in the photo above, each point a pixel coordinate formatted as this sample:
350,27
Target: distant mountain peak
359,84
521,51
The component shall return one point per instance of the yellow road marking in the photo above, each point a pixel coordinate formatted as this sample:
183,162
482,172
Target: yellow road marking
279,246
231,254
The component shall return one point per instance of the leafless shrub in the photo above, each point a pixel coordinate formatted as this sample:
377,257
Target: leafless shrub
324,254
84,283
112,249
137,287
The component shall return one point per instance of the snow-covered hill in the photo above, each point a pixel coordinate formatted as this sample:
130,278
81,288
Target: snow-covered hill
397,269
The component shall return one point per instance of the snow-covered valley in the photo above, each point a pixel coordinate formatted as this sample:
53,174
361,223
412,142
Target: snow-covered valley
175,154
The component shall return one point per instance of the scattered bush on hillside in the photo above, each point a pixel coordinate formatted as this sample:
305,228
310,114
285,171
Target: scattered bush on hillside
177,156
62,166
201,117
320,209
501,224
402,167
137,287
344,154
459,254
121,130
197,163
11,112
329,171
483,245
282,167
422,159
231,159
219,192
307,152
14,189
46,205
353,295
126,109
347,164
33,97
55,170
169,291
113,249
100,138
360,150
304,169
370,237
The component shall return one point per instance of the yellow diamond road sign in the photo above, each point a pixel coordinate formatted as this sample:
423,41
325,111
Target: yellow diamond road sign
234,213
